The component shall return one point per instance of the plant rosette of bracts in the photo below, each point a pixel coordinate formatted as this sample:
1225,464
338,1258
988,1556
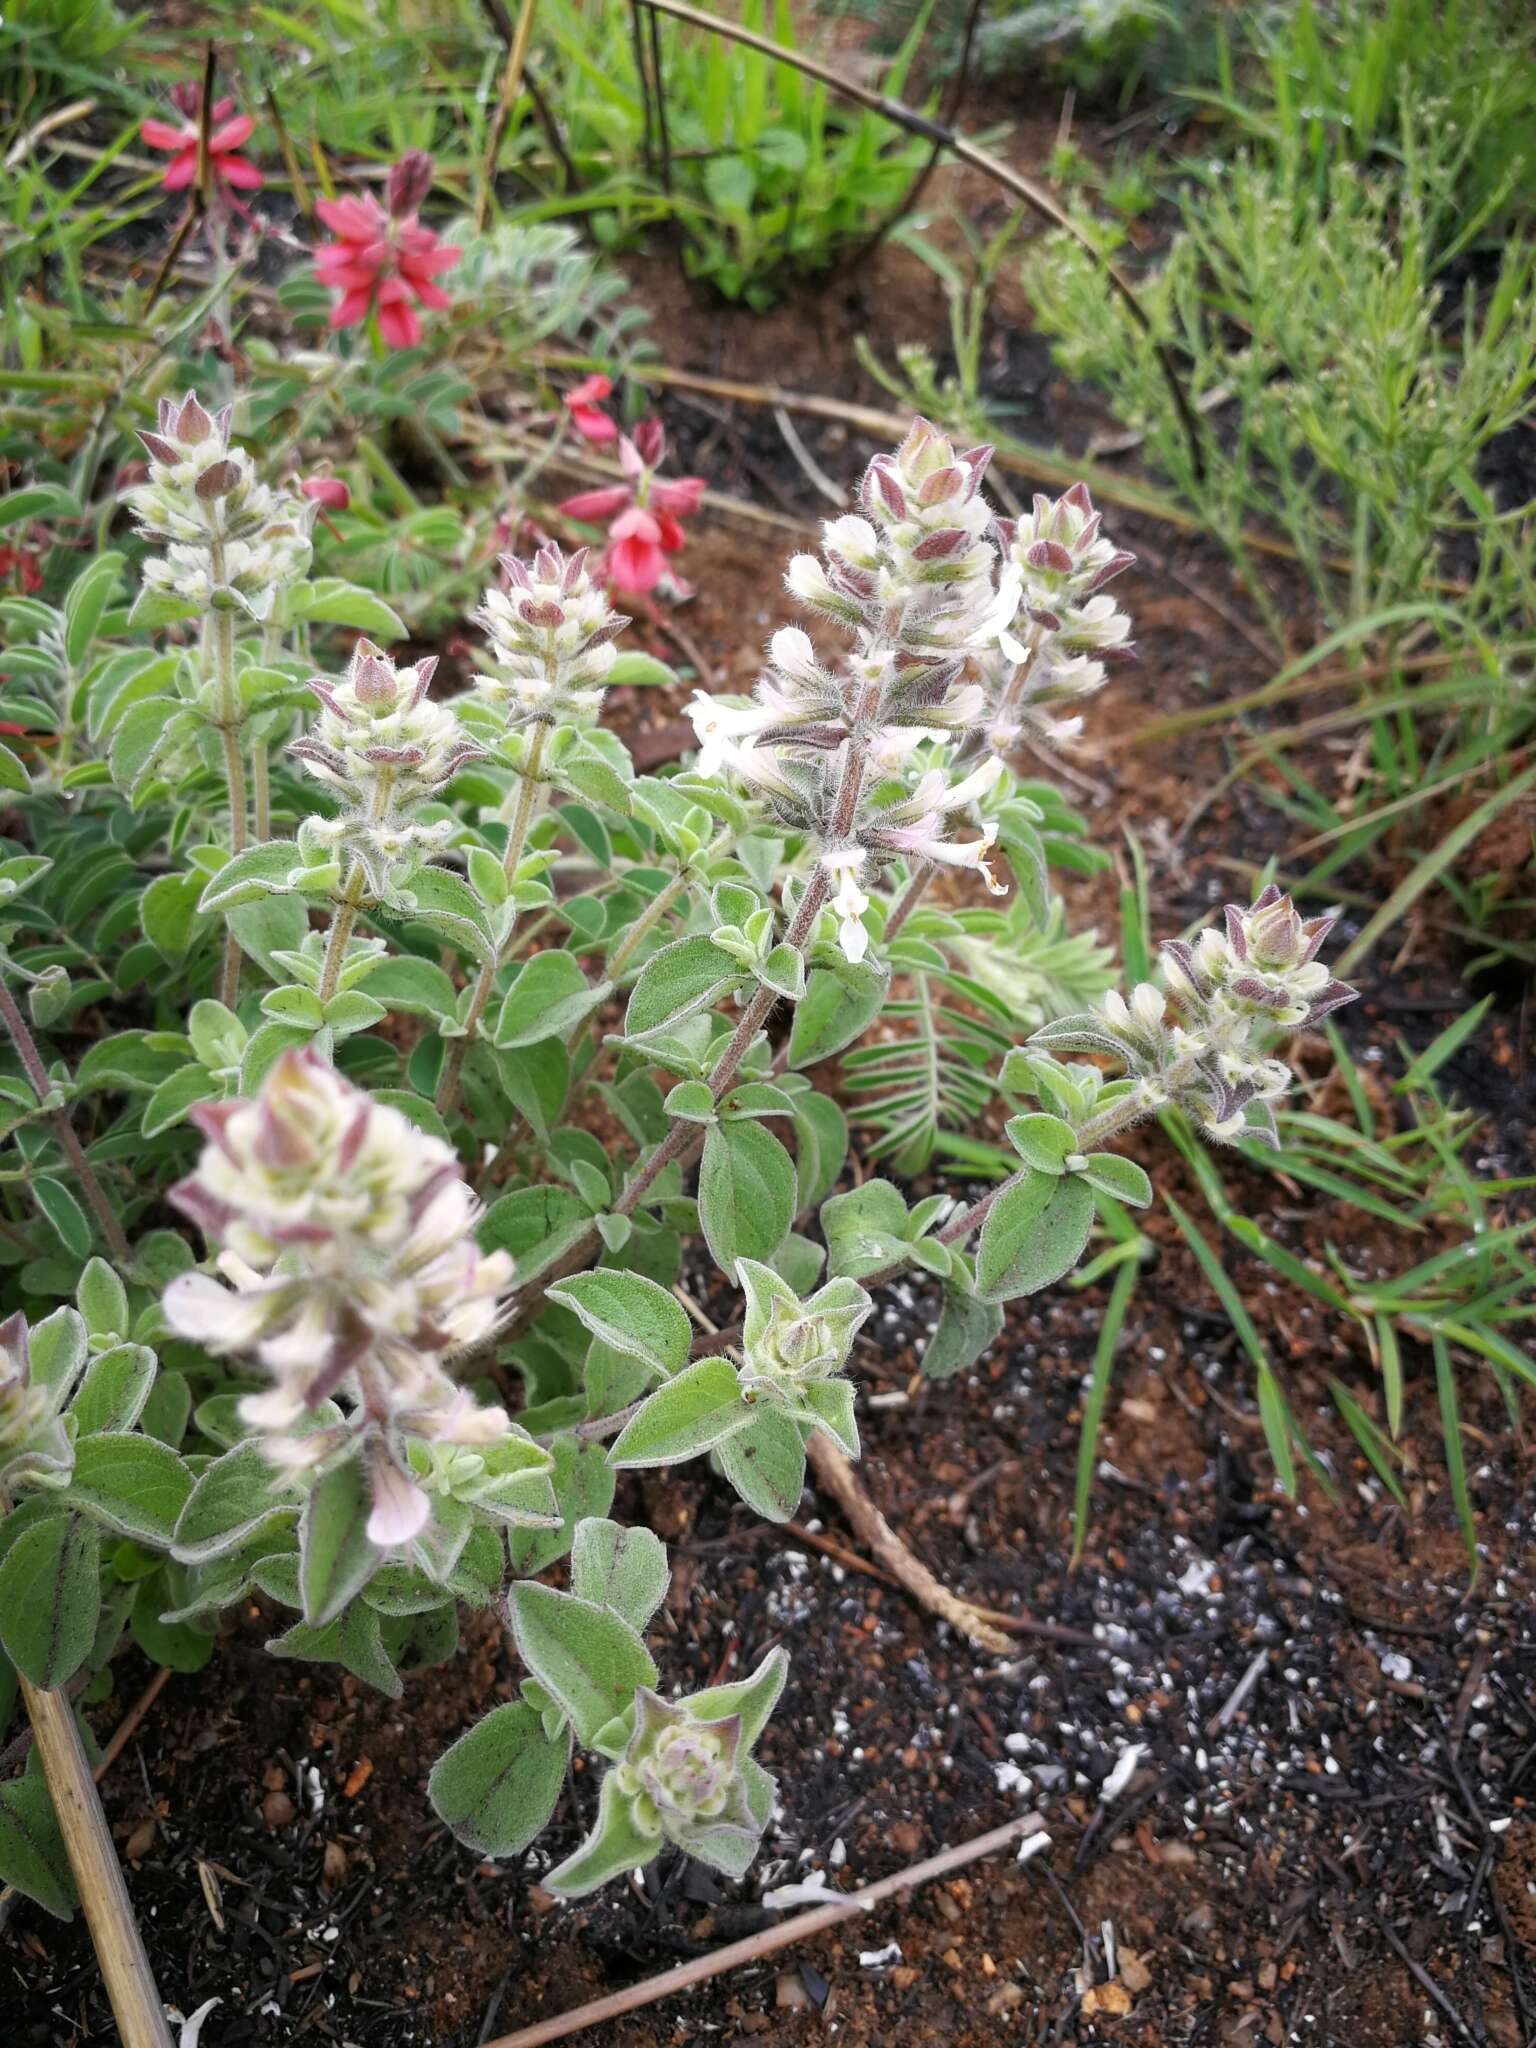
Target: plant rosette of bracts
392,957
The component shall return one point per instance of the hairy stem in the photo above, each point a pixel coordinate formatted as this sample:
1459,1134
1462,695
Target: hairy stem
64,1130
529,789
261,793
341,931
836,1475
219,653
658,907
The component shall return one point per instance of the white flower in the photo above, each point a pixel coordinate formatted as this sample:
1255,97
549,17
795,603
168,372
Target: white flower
844,865
347,1235
721,725
793,653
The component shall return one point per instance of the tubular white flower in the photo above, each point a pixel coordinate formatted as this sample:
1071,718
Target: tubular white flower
844,865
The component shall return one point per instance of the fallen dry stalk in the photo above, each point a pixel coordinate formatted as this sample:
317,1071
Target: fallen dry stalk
756,1946
98,1875
837,1476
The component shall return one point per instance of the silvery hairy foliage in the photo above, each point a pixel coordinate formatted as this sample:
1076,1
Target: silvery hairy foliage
346,1302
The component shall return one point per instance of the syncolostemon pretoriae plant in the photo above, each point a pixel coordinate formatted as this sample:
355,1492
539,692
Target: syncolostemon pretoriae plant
394,959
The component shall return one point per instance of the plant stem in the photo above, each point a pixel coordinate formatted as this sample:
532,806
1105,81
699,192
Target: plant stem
528,792
341,930
98,1875
219,650
726,1067
910,897
837,1476
658,907
64,1130
261,793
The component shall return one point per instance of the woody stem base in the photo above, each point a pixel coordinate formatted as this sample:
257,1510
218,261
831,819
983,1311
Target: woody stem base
97,1873
837,1477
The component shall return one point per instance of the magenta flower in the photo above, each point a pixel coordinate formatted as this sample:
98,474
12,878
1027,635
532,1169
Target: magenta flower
382,260
227,131
645,515
584,404
328,491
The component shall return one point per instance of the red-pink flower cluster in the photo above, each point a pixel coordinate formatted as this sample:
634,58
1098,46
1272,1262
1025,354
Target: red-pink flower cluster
383,258
644,512
227,130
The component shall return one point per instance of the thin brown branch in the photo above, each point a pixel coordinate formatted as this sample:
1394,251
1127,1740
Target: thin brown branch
98,1875
836,1475
912,198
738,1953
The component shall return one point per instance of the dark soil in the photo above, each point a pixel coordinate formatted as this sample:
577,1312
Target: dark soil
1326,1835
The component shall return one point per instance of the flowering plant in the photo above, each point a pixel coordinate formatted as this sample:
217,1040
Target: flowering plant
228,132
645,512
426,1317
383,263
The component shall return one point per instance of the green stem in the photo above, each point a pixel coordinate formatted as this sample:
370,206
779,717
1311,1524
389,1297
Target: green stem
341,930
261,793
63,1128
658,907
219,650
530,787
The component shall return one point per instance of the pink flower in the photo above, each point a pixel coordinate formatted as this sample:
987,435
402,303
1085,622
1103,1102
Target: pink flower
636,559
227,130
329,491
583,404
645,513
380,261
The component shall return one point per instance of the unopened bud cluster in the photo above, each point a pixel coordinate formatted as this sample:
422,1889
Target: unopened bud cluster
681,1777
1058,561
232,542
35,1446
787,1343
347,1236
551,632
382,746
1201,1042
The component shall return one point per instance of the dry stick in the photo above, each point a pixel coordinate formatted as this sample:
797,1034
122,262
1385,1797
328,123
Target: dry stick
912,198
502,22
663,134
290,156
98,1875
836,1476
63,1128
968,152
685,1975
511,84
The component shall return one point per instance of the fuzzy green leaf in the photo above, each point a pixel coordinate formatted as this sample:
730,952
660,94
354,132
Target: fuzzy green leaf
746,1192
497,1786
585,1657
50,1598
632,1314
692,1413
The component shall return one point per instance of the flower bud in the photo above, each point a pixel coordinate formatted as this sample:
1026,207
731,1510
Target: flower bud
551,639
